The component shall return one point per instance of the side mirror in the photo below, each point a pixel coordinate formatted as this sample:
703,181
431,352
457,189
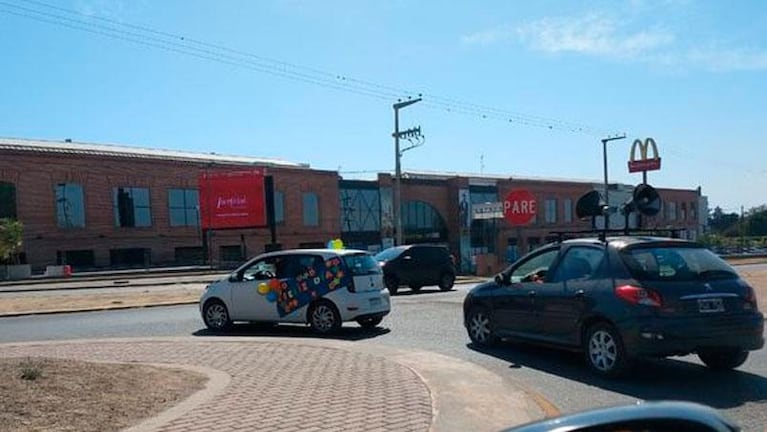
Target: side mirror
236,277
502,279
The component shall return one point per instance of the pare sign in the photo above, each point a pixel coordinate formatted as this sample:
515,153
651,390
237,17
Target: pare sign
519,207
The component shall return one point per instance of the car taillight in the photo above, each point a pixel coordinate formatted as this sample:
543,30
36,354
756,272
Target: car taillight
639,296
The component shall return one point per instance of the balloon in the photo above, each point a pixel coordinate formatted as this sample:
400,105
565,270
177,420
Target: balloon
263,288
274,284
272,297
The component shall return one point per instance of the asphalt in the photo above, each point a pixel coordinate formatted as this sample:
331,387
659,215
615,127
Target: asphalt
311,384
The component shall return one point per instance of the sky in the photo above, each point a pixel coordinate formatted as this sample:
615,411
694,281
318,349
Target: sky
510,88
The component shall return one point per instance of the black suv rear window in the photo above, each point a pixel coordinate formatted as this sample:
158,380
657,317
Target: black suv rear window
675,263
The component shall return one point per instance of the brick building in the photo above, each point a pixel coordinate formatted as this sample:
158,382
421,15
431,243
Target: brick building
106,206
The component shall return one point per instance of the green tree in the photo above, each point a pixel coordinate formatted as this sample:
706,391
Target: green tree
757,221
11,233
723,223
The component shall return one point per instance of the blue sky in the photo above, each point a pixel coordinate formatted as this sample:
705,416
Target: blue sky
552,77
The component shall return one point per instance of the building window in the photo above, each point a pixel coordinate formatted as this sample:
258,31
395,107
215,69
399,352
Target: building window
70,210
131,207
279,207
693,215
311,209
567,210
551,211
683,211
7,200
184,207
360,210
671,207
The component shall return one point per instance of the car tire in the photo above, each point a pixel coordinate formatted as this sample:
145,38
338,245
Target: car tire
604,351
324,317
446,281
369,322
723,359
479,325
392,284
216,316
415,288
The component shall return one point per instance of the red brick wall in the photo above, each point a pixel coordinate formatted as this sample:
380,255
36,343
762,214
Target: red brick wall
36,175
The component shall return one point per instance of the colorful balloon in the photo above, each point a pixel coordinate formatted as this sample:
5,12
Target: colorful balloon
271,297
263,288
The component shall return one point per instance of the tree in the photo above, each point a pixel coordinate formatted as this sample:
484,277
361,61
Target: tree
721,222
11,233
757,222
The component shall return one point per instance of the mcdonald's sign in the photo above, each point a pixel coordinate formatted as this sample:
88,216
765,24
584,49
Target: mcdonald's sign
644,163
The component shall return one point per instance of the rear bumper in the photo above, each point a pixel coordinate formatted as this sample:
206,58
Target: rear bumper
664,337
364,304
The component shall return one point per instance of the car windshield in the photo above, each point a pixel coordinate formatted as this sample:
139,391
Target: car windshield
362,264
676,264
390,254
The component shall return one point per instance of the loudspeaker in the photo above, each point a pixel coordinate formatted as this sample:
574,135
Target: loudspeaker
589,205
645,200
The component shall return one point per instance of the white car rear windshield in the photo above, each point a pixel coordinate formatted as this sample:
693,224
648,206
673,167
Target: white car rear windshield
362,264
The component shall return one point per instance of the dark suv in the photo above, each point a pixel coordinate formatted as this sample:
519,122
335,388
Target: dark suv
417,266
620,299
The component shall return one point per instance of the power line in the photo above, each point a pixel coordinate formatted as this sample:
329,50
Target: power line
153,38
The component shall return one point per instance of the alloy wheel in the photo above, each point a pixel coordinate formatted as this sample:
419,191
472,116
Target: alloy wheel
479,328
323,318
603,351
216,316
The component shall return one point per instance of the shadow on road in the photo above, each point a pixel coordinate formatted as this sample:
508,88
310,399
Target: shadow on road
404,292
350,333
673,378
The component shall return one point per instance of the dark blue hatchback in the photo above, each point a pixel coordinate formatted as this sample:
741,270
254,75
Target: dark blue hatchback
620,299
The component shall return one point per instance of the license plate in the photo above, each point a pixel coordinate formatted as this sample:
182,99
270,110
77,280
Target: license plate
710,305
375,302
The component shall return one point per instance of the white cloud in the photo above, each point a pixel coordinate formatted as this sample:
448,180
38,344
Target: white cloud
491,36
599,35
723,59
593,35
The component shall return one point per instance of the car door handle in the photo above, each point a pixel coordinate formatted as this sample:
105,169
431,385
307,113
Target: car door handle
579,294
531,294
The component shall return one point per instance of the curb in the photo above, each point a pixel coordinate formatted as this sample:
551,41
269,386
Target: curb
95,309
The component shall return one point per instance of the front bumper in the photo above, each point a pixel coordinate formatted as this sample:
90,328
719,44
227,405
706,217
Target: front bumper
679,336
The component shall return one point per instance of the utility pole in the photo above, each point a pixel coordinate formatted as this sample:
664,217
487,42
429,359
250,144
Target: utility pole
413,133
604,163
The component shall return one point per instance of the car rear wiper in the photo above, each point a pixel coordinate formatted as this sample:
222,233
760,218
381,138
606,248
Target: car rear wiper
716,274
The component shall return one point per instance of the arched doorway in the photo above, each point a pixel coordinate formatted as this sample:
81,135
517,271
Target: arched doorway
422,223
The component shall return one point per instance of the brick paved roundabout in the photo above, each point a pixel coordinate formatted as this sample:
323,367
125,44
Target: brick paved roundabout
271,386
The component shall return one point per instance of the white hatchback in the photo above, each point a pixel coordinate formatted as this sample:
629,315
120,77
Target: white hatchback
321,287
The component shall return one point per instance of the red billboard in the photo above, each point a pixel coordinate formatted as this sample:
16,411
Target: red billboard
233,199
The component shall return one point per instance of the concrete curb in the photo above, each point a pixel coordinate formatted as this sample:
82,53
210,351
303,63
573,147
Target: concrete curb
465,396
94,309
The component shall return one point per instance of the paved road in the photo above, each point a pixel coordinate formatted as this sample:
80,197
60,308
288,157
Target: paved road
431,320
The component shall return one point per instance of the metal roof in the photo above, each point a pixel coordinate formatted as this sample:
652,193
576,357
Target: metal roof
81,148
479,179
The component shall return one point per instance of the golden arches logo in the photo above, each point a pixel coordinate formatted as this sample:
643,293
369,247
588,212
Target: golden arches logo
644,163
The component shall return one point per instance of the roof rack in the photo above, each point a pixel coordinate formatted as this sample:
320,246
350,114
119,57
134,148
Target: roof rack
602,233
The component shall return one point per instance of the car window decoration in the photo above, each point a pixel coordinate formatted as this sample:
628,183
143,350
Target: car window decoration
292,293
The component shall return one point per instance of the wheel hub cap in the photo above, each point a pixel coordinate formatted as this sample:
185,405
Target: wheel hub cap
479,326
603,351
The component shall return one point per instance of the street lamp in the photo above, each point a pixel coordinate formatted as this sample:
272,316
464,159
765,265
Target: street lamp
397,168
604,162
